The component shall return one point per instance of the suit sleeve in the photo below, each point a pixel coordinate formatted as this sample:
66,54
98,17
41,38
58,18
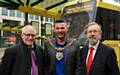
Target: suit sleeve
79,63
112,63
46,57
7,63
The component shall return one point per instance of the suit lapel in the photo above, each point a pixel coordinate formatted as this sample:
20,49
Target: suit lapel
85,54
84,57
53,50
37,52
67,51
96,58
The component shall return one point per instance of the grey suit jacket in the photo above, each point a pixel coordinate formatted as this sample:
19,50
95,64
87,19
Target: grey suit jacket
70,59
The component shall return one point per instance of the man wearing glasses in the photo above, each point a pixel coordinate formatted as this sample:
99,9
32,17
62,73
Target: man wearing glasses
26,58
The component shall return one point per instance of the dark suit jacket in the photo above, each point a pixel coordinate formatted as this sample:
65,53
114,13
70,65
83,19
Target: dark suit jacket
17,61
104,62
70,59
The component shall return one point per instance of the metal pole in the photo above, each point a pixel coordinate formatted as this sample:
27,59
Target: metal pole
42,32
26,18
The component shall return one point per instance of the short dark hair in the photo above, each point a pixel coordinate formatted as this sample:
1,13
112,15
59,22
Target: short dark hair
60,21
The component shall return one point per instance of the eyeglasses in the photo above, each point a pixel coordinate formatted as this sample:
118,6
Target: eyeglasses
28,35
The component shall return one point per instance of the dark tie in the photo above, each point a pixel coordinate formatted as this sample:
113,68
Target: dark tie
34,68
89,61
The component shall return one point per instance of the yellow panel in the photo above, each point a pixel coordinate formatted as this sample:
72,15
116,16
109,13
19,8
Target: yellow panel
116,45
6,28
108,6
0,27
25,8
48,13
39,11
75,2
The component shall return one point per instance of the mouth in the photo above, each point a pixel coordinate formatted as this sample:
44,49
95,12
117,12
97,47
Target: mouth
61,33
92,37
93,40
30,40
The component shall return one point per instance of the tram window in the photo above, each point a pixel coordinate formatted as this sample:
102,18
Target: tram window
109,20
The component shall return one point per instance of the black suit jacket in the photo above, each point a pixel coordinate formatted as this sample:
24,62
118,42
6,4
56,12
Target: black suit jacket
17,60
104,62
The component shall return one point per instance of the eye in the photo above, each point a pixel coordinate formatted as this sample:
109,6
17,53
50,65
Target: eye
95,31
90,31
62,27
28,35
57,28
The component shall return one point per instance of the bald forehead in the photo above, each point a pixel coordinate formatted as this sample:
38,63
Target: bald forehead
28,29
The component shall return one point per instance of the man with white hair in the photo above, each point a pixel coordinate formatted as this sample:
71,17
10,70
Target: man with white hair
26,58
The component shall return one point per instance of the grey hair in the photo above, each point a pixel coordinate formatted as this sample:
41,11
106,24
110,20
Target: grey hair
28,26
90,24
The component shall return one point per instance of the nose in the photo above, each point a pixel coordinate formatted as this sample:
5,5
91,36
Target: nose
60,29
30,36
92,32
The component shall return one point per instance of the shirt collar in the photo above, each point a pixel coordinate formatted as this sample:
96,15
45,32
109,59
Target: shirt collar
95,46
32,46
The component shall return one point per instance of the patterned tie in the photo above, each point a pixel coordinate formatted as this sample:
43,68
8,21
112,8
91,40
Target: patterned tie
89,61
34,68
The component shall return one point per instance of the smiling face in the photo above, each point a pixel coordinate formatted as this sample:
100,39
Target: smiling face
28,35
93,34
61,30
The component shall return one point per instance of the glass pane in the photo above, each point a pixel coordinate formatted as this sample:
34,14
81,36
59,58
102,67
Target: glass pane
30,16
78,15
12,13
4,11
19,14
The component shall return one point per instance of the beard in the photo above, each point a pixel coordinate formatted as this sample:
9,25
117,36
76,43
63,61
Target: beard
93,41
